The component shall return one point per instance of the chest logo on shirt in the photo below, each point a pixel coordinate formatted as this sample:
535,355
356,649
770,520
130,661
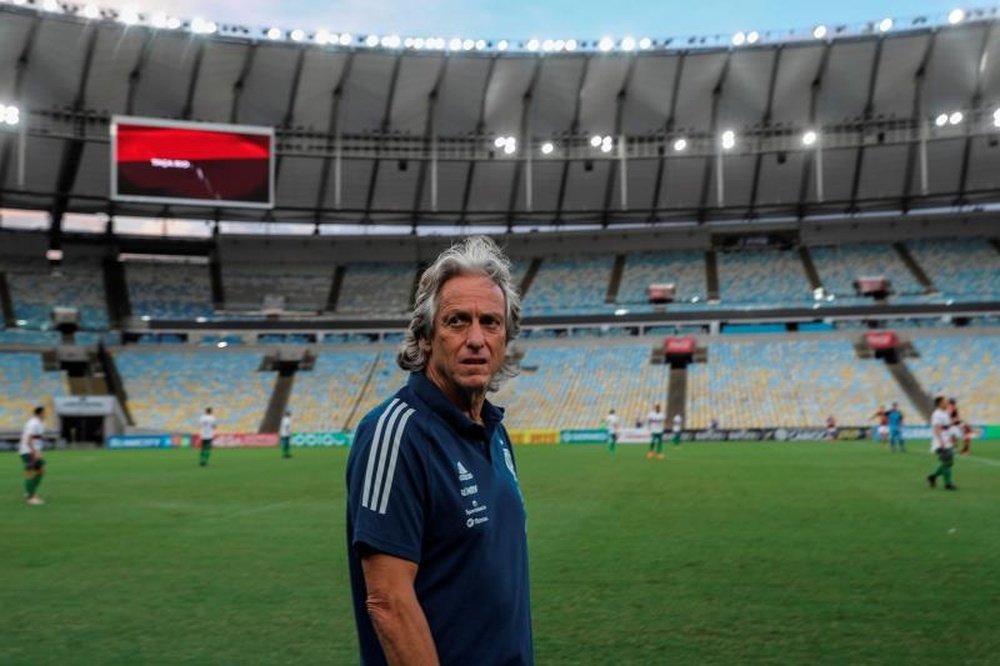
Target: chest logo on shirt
510,462
475,511
463,474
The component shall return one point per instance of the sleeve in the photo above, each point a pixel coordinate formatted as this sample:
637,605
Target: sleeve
387,488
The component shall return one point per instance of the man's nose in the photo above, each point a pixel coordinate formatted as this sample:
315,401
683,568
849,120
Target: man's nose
475,338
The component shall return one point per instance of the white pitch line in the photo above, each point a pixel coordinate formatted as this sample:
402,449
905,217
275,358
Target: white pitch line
986,461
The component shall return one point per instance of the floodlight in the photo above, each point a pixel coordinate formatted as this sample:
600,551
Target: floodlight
606,44
680,145
91,11
273,33
322,36
941,120
728,139
595,141
809,138
955,118
628,44
502,45
547,148
571,45
345,39
885,25
371,41
753,37
819,32
297,35
956,15
129,16
739,39
454,44
645,43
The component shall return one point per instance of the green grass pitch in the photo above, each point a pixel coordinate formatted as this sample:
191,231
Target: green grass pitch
806,553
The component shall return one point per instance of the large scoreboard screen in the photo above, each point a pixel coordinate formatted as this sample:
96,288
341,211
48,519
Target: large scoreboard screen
187,163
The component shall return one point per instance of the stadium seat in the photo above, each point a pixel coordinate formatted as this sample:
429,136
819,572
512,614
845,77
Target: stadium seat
963,367
25,384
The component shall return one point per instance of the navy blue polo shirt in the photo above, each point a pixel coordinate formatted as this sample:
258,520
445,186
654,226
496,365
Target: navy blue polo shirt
427,484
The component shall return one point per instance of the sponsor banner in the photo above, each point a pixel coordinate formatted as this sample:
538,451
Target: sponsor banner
534,436
332,438
882,339
642,435
147,441
925,432
634,436
592,436
245,439
990,431
678,346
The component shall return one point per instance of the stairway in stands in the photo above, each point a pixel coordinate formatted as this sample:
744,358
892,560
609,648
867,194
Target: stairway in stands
616,279
286,363
677,393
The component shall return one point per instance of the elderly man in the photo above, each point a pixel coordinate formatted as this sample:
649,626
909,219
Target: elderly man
435,519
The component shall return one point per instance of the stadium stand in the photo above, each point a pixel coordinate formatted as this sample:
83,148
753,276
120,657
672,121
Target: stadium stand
575,386
684,269
303,287
168,390
36,287
839,266
376,289
966,270
772,277
570,285
323,398
795,383
169,290
386,380
965,368
25,384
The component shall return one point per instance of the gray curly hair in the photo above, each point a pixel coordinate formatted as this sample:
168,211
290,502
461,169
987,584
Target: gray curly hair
475,255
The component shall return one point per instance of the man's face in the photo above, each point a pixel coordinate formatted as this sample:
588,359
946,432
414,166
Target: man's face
469,339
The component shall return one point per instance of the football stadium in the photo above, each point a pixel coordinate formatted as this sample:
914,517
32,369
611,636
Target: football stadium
761,249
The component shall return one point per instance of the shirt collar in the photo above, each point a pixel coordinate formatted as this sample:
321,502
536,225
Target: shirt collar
429,392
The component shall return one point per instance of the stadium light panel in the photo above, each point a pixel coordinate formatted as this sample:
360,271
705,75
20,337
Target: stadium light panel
996,118
739,39
222,344
533,45
392,41
297,35
956,16
200,26
323,36
956,117
728,139
819,32
455,44
571,45
10,114
645,43
480,44
418,42
547,148
595,141
371,41
174,23
680,145
503,45
345,39
809,138
499,141
606,44
885,25
548,45
753,37
273,34
50,5
941,120
628,44
606,144
468,44
91,11
510,145
129,16
19,3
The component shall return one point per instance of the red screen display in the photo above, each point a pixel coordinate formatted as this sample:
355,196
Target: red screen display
165,163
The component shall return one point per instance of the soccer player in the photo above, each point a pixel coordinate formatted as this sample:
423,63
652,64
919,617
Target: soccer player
285,432
831,427
895,418
964,430
678,423
30,449
655,421
611,421
207,423
882,431
942,444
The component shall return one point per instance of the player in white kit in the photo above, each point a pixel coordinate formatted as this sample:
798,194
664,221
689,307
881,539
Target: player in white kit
942,444
30,449
285,433
655,421
611,421
207,425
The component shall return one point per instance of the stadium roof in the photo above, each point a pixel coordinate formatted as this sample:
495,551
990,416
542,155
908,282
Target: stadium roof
396,136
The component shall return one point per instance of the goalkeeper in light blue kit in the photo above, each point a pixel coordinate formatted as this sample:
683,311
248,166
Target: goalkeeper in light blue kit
895,418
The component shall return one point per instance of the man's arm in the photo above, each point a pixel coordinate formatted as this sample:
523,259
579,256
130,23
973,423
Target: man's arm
395,612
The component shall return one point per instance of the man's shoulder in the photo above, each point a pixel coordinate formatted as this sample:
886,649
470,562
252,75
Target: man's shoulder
402,414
